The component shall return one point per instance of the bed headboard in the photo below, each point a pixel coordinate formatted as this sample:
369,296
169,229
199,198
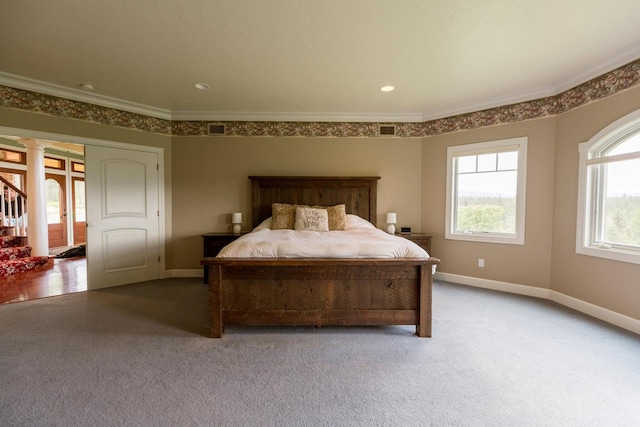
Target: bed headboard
358,193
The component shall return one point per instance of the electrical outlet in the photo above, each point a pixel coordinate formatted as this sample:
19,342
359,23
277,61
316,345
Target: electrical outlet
480,262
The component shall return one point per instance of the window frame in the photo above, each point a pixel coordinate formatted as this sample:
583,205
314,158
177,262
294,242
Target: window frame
488,147
590,188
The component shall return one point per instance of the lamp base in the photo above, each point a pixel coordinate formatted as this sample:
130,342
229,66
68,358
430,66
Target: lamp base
237,228
391,228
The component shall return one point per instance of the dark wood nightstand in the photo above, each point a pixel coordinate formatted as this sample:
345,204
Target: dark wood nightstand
421,239
213,243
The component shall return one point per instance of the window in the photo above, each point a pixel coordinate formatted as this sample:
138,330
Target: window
13,156
486,191
54,205
609,192
79,212
54,163
77,167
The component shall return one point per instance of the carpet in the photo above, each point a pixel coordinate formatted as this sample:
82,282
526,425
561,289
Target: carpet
138,355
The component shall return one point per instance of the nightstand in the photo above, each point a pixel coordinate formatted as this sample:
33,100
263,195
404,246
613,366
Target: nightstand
213,243
421,239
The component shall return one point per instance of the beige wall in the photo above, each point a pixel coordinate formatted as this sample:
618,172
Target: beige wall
548,258
206,180
527,264
610,284
210,178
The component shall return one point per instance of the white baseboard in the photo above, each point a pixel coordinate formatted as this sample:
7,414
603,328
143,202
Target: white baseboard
620,320
625,322
512,288
196,272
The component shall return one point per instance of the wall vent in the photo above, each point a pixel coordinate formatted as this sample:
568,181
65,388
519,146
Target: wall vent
217,129
387,130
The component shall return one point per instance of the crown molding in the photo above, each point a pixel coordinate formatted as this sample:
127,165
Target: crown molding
619,58
59,91
256,116
501,101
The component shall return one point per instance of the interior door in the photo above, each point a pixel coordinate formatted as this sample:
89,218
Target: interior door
56,210
122,216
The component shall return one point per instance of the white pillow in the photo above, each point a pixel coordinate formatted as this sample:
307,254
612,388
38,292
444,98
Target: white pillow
355,222
264,225
311,219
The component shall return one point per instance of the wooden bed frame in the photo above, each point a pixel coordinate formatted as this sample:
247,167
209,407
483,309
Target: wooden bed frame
318,291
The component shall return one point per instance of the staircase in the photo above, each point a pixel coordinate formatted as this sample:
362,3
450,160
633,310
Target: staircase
15,256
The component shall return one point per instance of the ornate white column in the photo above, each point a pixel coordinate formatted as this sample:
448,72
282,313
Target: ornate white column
37,228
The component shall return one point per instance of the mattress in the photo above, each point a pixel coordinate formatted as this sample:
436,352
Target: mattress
361,239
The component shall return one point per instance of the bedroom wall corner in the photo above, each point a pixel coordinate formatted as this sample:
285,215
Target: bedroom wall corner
612,285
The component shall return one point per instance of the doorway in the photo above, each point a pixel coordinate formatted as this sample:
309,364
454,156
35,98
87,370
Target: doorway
116,262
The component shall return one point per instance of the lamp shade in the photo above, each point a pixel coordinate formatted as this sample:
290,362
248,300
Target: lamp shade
391,218
236,218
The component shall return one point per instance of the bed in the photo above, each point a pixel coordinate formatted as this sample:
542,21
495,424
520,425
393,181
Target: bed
318,291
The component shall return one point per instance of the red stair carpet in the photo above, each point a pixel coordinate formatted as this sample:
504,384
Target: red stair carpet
15,257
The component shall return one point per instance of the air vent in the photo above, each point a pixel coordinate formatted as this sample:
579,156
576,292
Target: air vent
216,129
387,130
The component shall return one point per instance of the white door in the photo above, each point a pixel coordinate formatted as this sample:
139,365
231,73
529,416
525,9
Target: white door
122,216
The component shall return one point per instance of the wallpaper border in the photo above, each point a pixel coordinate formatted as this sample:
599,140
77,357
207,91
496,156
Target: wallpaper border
620,79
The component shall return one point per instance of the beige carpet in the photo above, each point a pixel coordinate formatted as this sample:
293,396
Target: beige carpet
137,355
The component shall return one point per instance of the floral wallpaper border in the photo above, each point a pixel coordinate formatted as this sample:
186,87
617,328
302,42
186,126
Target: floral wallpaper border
620,79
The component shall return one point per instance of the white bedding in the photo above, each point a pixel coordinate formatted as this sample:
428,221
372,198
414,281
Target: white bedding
361,239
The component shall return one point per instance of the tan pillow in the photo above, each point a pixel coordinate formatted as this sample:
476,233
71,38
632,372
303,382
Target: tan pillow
283,216
311,219
337,216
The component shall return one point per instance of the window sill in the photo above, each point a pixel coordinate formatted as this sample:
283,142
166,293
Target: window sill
610,253
486,238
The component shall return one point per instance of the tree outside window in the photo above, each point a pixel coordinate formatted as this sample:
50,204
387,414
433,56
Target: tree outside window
486,191
609,194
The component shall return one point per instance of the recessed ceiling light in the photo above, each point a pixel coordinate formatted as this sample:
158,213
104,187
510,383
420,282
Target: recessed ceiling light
202,86
86,86
387,88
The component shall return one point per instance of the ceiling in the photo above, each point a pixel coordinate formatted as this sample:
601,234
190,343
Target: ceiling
320,60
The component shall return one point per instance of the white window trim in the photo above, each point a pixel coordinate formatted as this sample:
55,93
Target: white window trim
618,129
490,146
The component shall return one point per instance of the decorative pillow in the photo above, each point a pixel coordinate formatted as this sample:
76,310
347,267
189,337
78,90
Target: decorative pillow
337,217
284,216
311,219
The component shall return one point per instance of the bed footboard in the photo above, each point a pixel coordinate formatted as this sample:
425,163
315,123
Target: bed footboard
319,292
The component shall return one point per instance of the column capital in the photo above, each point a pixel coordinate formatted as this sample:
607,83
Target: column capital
34,143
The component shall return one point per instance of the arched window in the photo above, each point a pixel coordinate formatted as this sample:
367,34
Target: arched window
609,192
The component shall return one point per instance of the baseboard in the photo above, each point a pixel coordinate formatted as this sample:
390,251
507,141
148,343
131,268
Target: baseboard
617,319
625,322
196,272
495,285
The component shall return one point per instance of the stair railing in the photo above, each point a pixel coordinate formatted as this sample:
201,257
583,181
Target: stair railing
13,208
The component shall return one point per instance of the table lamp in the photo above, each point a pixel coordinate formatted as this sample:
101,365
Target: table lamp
391,222
236,220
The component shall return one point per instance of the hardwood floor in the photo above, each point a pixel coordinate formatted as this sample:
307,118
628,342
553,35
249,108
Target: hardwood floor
67,275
